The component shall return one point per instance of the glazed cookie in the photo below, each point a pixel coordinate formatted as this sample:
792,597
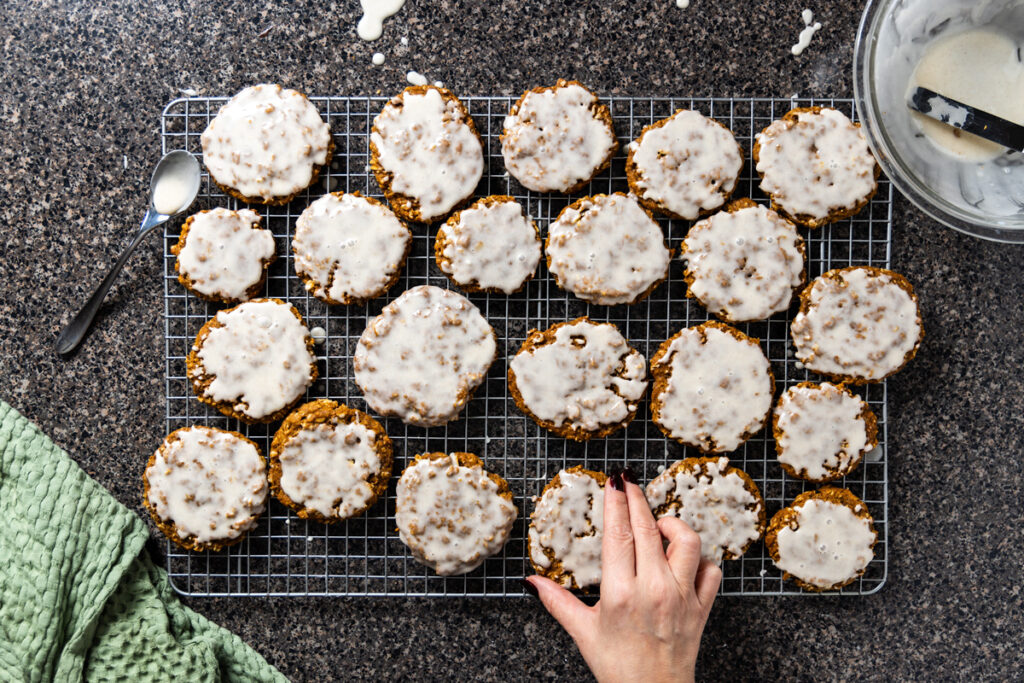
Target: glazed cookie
823,540
556,139
204,487
223,255
452,513
721,503
422,358
425,153
684,166
579,379
492,246
607,250
253,362
266,145
712,387
349,248
858,324
822,431
743,263
329,462
566,528
815,165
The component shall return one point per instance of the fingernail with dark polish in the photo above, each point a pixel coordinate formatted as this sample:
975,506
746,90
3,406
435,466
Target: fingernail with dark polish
615,481
529,588
627,475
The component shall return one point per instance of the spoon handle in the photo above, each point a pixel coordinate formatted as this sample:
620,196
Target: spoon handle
73,334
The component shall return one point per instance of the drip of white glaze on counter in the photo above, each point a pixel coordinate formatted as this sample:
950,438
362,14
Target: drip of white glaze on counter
688,164
829,545
810,28
714,502
423,355
371,24
555,141
607,250
452,517
816,164
326,468
225,252
378,58
210,483
257,357
493,246
348,247
744,263
425,141
719,389
416,78
265,142
568,523
822,430
982,68
588,377
858,324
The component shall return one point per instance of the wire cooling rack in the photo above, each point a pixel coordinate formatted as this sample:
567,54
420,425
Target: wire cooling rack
286,555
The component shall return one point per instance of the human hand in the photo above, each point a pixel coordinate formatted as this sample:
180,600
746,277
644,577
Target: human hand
654,601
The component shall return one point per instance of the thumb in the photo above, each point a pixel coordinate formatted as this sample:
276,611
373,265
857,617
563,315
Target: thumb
566,608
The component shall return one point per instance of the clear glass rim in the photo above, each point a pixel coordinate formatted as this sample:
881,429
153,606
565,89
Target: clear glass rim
901,176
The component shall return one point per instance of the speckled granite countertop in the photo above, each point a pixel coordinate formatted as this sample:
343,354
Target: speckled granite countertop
78,134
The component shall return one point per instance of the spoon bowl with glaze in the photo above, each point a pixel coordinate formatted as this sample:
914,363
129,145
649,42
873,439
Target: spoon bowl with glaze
173,188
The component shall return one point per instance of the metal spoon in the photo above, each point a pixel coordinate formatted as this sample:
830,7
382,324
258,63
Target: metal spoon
179,163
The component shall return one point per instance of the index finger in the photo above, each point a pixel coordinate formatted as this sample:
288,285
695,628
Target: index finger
647,544
618,563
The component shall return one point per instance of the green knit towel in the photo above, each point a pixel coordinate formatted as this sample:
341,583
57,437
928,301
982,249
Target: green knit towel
79,598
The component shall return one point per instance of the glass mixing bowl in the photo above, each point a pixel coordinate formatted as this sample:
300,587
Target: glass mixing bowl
985,199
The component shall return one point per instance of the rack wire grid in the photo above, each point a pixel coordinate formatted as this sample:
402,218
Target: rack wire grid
286,555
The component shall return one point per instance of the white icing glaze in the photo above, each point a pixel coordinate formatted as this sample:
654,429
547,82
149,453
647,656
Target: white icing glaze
719,391
326,468
319,335
715,504
862,326
822,430
810,28
568,521
423,355
682,4
210,483
451,516
371,24
492,246
829,546
225,253
745,264
554,141
587,378
265,142
258,358
607,250
688,164
981,67
816,165
172,190
349,247
425,142
378,58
